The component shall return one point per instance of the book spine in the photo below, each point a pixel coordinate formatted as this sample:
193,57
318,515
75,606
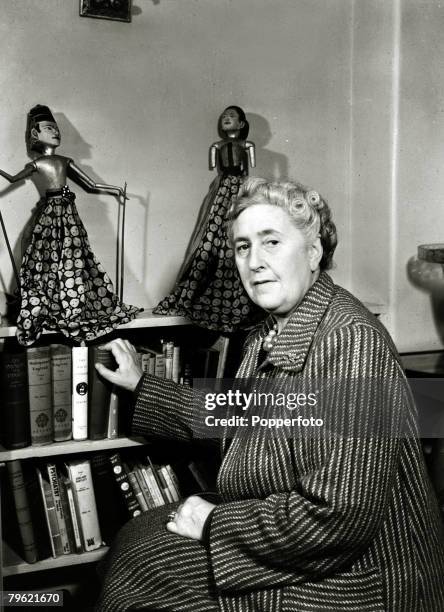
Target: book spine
77,535
164,487
152,365
168,350
173,482
99,392
169,483
81,478
152,486
80,392
40,391
55,489
61,368
152,471
50,515
176,364
201,481
15,430
159,365
144,487
123,482
113,416
137,491
22,509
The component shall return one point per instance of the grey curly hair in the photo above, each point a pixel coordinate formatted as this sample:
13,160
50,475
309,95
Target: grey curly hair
308,210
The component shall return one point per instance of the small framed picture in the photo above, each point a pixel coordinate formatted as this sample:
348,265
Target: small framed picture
117,10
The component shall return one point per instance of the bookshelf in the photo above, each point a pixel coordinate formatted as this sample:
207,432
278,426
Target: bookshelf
11,564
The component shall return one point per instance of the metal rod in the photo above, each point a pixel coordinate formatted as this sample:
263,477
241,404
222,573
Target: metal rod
122,244
14,267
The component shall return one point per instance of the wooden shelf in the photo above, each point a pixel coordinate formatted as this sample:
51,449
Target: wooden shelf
376,309
13,564
67,448
144,319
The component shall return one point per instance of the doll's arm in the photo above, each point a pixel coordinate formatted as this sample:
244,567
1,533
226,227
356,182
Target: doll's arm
27,171
251,153
213,156
87,183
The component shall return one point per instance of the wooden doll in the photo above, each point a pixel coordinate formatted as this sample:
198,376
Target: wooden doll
63,287
208,289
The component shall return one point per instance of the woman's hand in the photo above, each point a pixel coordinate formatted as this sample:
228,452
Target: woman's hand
128,372
190,518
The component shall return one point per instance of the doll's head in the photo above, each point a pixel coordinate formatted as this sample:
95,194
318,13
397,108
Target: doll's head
41,130
233,118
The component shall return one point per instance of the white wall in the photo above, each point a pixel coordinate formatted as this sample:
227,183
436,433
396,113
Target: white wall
140,101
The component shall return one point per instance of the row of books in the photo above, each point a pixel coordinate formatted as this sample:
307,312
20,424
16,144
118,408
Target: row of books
54,393
65,508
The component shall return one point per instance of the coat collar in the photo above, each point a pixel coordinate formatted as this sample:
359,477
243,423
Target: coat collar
293,343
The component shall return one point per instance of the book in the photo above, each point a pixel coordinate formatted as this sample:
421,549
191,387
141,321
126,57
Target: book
61,373
174,480
124,485
198,476
40,395
144,486
80,392
152,485
113,415
147,359
161,485
15,427
73,513
137,489
164,486
57,497
67,514
169,483
50,514
79,472
99,393
168,350
9,524
176,364
108,496
22,508
37,509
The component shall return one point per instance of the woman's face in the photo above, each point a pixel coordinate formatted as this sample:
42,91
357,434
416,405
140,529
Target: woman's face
230,120
274,260
48,133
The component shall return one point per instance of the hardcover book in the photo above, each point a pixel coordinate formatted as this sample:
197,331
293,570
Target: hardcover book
79,472
99,393
40,395
61,374
15,429
80,392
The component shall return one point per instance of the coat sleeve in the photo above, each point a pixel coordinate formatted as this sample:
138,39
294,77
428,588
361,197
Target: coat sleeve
335,510
165,409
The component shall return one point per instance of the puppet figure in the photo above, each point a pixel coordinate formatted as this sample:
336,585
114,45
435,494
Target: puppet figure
208,289
63,287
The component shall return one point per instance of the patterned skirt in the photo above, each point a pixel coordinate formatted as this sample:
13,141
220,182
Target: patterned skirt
209,290
63,286
150,568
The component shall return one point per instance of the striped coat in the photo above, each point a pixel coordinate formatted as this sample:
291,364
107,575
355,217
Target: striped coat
343,518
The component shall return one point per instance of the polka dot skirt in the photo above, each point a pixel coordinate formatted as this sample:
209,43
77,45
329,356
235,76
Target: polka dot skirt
63,285
210,292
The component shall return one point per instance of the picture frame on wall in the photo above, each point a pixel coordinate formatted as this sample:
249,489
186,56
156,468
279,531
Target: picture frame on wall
116,10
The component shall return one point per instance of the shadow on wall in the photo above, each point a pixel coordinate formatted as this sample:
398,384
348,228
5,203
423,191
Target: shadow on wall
269,164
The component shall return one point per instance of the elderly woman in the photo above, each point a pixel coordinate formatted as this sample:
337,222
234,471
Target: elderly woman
341,518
